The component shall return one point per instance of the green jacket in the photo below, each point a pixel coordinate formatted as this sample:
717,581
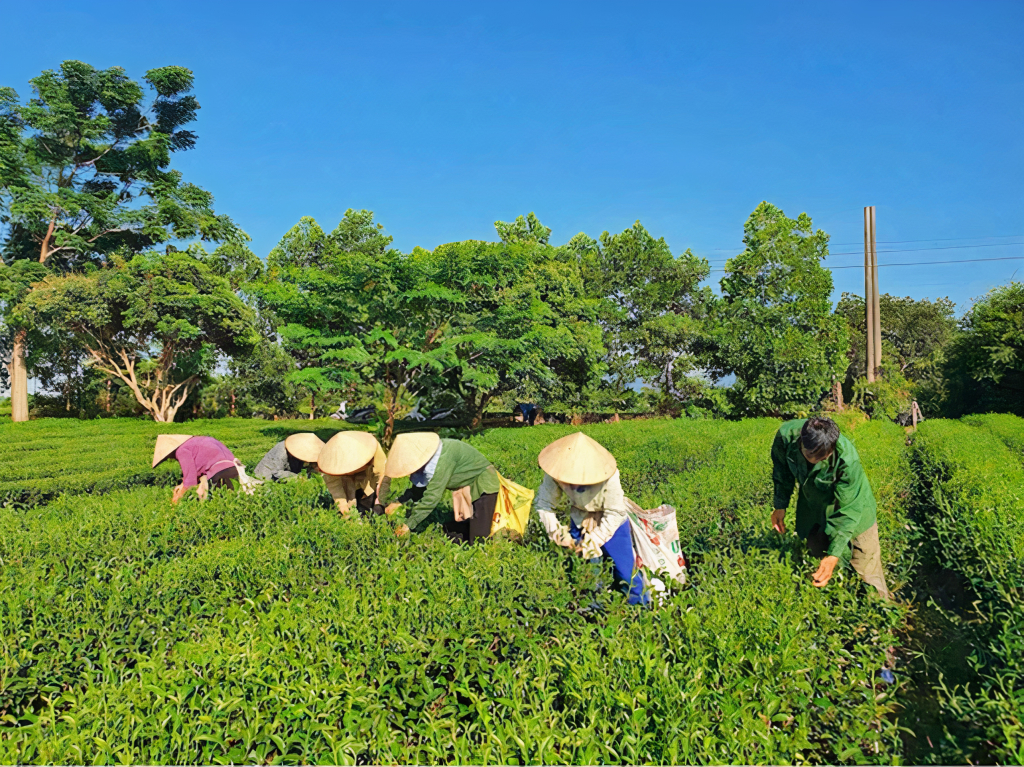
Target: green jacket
458,465
834,494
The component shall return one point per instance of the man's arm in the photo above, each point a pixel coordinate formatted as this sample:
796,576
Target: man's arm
548,496
189,472
614,513
431,495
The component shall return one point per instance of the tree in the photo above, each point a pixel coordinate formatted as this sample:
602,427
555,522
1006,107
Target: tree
155,322
85,173
523,322
774,325
914,333
985,364
523,230
656,329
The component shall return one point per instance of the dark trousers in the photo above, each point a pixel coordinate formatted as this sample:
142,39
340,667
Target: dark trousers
225,478
476,527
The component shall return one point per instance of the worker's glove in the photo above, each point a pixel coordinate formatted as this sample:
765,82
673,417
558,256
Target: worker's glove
391,508
563,537
591,522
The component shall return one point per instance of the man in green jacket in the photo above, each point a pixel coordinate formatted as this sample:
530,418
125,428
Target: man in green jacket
435,465
835,509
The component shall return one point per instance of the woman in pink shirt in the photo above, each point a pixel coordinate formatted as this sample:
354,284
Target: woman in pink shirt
198,457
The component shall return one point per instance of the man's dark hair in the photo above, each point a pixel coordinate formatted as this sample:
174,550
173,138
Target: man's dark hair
819,436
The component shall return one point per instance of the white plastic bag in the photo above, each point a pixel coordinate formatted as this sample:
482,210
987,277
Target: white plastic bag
656,540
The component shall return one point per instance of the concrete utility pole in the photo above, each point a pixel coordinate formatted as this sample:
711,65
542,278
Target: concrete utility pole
873,325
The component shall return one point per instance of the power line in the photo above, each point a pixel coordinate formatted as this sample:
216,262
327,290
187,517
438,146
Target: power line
921,250
904,242
920,263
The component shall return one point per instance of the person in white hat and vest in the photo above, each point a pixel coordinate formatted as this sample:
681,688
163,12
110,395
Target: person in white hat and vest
580,470
352,463
289,456
435,465
201,459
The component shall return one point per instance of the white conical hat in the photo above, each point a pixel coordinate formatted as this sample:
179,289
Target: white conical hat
410,452
347,452
577,460
167,444
305,446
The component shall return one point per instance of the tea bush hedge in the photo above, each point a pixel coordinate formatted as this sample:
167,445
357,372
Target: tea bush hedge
266,628
974,488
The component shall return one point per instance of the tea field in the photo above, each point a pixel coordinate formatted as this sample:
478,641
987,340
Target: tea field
267,629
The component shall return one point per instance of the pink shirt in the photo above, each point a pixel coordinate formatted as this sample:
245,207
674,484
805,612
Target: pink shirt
202,457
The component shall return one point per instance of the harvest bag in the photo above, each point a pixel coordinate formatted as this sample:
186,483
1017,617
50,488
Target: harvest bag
656,540
513,508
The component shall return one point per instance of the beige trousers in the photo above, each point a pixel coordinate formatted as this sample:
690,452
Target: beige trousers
865,556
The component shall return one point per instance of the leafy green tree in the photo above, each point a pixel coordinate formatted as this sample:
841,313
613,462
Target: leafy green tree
156,323
523,322
526,229
656,326
915,334
774,325
985,364
85,173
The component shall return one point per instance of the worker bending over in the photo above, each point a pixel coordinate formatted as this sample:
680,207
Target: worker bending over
205,462
289,456
435,465
835,510
352,463
582,471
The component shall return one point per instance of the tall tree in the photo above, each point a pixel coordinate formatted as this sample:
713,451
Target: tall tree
985,367
914,332
156,323
774,325
85,173
524,323
657,323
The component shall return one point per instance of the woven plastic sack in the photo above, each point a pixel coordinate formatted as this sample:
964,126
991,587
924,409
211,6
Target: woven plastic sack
512,511
656,540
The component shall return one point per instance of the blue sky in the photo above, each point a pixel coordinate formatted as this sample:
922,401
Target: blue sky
442,117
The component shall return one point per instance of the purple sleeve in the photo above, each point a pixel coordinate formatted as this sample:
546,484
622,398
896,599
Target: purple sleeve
189,472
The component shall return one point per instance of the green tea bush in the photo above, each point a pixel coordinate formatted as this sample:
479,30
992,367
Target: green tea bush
1008,427
974,494
266,628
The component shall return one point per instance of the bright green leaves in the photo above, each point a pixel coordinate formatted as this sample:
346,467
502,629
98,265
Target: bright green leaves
774,326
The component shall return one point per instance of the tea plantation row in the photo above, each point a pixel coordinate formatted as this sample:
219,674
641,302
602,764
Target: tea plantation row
266,628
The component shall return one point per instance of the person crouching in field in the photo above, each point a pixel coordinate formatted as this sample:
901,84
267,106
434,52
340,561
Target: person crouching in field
205,462
289,456
352,463
435,465
835,511
581,470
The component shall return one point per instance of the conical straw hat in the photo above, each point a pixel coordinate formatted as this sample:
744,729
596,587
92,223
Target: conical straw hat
577,460
347,452
410,452
305,446
167,444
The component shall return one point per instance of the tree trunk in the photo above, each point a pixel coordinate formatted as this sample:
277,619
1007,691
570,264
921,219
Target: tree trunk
19,379
312,405
232,403
837,395
107,404
478,416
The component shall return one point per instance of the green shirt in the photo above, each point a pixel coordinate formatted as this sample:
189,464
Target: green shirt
458,465
834,494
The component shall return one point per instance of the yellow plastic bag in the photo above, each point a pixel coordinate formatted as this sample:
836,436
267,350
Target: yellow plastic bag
512,511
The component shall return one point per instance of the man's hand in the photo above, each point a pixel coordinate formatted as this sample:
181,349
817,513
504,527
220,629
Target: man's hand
779,521
391,508
178,493
402,530
824,572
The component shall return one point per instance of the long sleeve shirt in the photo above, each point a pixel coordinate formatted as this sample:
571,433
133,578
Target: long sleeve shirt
458,465
347,489
606,499
202,457
278,464
834,493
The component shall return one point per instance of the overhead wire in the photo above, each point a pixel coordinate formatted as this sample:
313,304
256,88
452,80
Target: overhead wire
922,263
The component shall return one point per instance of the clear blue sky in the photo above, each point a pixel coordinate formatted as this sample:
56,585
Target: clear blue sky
442,117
